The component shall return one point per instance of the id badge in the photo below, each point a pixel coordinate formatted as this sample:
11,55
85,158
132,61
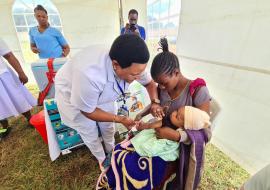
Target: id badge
123,111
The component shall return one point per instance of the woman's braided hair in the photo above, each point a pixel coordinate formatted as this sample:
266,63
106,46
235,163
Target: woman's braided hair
165,62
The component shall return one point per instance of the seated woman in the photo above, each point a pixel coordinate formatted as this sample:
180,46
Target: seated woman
129,170
147,144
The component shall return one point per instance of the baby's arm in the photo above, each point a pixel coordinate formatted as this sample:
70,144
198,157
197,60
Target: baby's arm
143,113
156,124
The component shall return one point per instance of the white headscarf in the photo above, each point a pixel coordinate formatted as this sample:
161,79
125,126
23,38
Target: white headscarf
196,119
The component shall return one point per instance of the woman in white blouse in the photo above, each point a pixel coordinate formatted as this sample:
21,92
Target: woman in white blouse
15,99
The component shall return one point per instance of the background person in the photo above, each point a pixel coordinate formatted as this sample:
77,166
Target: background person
46,41
132,27
15,99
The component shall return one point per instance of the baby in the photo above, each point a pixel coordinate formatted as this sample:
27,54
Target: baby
186,117
147,144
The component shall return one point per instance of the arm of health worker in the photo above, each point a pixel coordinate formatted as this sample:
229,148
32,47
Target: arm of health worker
101,116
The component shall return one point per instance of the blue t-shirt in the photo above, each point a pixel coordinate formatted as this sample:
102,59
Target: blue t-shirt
49,42
141,30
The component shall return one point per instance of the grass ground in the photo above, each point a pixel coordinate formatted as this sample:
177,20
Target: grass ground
25,164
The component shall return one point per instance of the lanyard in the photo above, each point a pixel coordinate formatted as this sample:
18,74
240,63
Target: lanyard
122,91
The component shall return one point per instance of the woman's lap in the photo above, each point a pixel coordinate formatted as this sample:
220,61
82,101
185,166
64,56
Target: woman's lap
131,171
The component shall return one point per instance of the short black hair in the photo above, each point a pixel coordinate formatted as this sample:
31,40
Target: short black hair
40,8
165,62
133,11
129,48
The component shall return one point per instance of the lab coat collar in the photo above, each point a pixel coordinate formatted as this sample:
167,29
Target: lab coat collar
112,75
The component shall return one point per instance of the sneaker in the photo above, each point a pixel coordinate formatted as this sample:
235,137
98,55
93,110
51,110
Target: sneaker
4,132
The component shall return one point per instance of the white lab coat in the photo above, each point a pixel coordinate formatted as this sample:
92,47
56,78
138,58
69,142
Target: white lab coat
87,82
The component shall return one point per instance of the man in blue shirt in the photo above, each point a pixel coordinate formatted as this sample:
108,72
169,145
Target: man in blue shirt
132,27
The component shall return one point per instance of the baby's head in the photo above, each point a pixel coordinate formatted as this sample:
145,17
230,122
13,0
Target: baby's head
189,117
177,117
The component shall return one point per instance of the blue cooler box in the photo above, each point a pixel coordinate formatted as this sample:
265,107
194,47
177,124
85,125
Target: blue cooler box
67,137
39,69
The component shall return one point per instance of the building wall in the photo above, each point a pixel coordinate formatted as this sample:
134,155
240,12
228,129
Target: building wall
227,43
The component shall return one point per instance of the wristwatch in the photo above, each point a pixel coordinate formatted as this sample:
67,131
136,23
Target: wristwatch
155,100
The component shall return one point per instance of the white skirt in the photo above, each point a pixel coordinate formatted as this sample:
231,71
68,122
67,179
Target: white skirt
14,97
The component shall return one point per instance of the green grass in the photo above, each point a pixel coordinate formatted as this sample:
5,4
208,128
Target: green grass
25,164
221,173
